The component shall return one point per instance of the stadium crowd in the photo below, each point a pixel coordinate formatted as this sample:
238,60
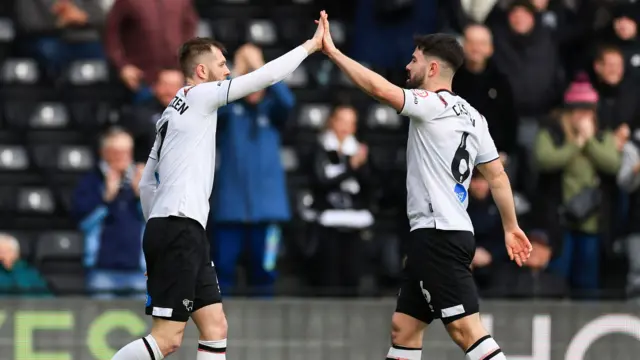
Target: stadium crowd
310,195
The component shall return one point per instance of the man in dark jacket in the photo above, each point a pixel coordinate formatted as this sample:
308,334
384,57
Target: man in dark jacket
140,120
106,205
487,89
528,55
624,34
250,194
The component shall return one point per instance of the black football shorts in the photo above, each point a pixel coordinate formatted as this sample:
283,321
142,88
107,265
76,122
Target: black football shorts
437,280
181,277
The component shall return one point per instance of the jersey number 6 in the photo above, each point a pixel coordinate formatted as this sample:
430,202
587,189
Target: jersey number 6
460,155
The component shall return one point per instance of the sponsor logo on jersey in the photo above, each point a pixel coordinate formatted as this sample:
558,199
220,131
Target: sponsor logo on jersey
420,92
460,192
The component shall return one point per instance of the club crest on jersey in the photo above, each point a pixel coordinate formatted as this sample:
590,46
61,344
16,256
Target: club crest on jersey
461,192
420,92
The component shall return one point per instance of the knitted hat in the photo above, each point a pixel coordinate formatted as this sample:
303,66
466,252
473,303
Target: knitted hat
580,93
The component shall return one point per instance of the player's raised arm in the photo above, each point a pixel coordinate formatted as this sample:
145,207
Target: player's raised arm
369,81
489,164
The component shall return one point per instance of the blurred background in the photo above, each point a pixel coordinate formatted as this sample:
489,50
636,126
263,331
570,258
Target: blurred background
310,196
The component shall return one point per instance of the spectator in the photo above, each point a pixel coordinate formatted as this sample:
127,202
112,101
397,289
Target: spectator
141,39
339,184
57,32
106,205
533,280
481,83
624,35
527,54
618,97
17,277
571,153
250,196
629,180
140,120
490,249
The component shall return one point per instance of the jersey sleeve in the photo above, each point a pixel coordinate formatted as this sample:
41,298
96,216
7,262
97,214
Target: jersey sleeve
422,104
487,151
209,96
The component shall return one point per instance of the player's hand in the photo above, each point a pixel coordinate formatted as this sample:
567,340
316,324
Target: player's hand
315,43
518,245
131,76
328,47
112,185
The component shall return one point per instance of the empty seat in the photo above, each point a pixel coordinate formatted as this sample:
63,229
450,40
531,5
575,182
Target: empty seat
289,159
383,116
93,115
20,71
13,158
67,284
7,200
88,72
35,200
75,158
262,32
48,116
7,30
338,32
204,29
227,31
298,79
59,246
313,115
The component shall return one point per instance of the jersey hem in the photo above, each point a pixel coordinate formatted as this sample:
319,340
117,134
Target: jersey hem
404,101
486,162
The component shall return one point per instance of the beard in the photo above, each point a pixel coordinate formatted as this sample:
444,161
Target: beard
414,82
211,77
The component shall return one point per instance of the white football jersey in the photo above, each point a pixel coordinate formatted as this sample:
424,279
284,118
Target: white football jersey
447,138
185,153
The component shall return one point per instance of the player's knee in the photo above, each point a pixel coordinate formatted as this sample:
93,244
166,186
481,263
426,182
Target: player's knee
168,341
464,332
215,329
404,333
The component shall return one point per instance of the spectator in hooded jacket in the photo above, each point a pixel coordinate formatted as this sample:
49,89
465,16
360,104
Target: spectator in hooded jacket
624,34
106,204
571,153
250,196
481,83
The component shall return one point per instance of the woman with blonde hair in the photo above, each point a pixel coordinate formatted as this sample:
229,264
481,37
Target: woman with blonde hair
572,155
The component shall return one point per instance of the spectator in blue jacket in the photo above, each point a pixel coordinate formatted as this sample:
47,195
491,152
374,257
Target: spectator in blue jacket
106,205
250,196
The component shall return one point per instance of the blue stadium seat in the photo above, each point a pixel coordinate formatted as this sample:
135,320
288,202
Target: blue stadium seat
313,116
35,200
261,32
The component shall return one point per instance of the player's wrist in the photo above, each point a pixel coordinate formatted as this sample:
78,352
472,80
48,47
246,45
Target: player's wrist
311,46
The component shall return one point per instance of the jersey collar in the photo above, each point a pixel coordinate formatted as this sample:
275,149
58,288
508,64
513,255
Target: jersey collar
445,90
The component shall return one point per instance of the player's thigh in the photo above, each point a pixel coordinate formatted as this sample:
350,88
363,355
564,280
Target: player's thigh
412,313
439,262
173,254
207,305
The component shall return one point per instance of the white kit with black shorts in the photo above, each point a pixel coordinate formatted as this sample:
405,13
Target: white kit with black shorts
176,185
447,138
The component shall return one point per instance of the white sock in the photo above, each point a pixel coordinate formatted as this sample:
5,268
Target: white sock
212,350
141,349
397,352
485,349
